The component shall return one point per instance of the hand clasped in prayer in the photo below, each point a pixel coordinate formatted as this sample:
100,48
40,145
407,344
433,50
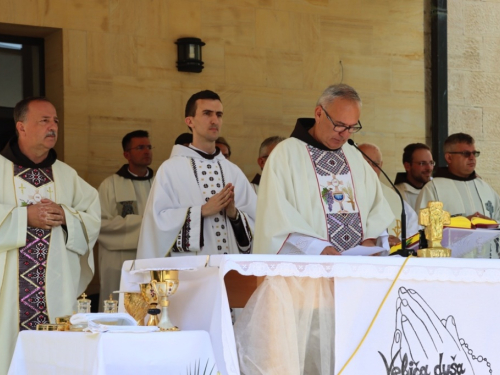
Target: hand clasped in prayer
45,215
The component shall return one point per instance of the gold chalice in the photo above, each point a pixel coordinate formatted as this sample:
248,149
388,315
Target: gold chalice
151,297
165,284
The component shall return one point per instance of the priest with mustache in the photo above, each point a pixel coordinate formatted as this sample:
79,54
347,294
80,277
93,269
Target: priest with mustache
49,222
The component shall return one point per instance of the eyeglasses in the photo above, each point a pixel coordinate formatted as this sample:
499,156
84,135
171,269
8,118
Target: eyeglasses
341,128
467,154
141,148
424,163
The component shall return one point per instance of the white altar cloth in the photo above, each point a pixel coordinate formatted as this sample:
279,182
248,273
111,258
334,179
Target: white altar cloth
462,241
466,289
75,353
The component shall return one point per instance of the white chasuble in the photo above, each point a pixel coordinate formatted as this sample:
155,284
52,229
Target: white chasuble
409,193
122,206
465,198
333,196
42,272
172,223
411,216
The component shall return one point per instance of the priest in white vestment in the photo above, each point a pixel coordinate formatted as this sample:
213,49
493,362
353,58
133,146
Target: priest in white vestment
374,153
49,222
265,149
317,196
461,190
123,197
419,164
200,203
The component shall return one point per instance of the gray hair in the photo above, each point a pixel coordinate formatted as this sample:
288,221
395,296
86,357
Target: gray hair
22,107
372,146
455,139
269,142
340,90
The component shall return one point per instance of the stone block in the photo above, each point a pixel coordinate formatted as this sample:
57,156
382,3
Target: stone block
138,18
246,66
89,15
306,32
465,52
284,69
482,89
367,73
456,87
321,68
482,18
407,75
180,19
273,30
270,108
334,31
490,54
465,120
455,18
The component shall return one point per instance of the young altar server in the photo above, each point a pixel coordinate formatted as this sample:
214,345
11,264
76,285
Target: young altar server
200,202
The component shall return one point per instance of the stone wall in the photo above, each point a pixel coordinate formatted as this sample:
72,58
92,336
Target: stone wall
111,69
474,79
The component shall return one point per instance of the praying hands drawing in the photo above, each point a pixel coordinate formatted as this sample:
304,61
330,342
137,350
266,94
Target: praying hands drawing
422,341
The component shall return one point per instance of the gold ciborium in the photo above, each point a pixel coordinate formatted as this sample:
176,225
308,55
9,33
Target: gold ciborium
136,306
165,284
151,297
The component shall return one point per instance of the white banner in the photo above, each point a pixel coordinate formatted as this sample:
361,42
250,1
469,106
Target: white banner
424,328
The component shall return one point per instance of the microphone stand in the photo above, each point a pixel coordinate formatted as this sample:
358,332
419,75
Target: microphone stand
403,251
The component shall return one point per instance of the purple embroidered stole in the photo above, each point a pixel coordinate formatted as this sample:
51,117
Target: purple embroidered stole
337,194
32,185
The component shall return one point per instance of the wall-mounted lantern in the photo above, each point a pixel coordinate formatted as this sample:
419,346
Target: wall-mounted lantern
189,55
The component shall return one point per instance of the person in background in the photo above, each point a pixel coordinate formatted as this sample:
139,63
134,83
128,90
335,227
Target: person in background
265,149
184,139
224,147
461,191
394,229
419,164
123,197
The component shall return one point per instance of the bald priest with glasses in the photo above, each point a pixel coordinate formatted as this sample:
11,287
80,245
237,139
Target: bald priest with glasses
319,196
461,190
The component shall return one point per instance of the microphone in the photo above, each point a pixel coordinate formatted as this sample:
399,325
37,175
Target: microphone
403,251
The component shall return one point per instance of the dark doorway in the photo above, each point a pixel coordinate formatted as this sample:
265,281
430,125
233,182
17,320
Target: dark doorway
21,74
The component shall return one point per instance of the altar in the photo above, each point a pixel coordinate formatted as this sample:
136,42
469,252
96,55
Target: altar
81,353
409,312
392,315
